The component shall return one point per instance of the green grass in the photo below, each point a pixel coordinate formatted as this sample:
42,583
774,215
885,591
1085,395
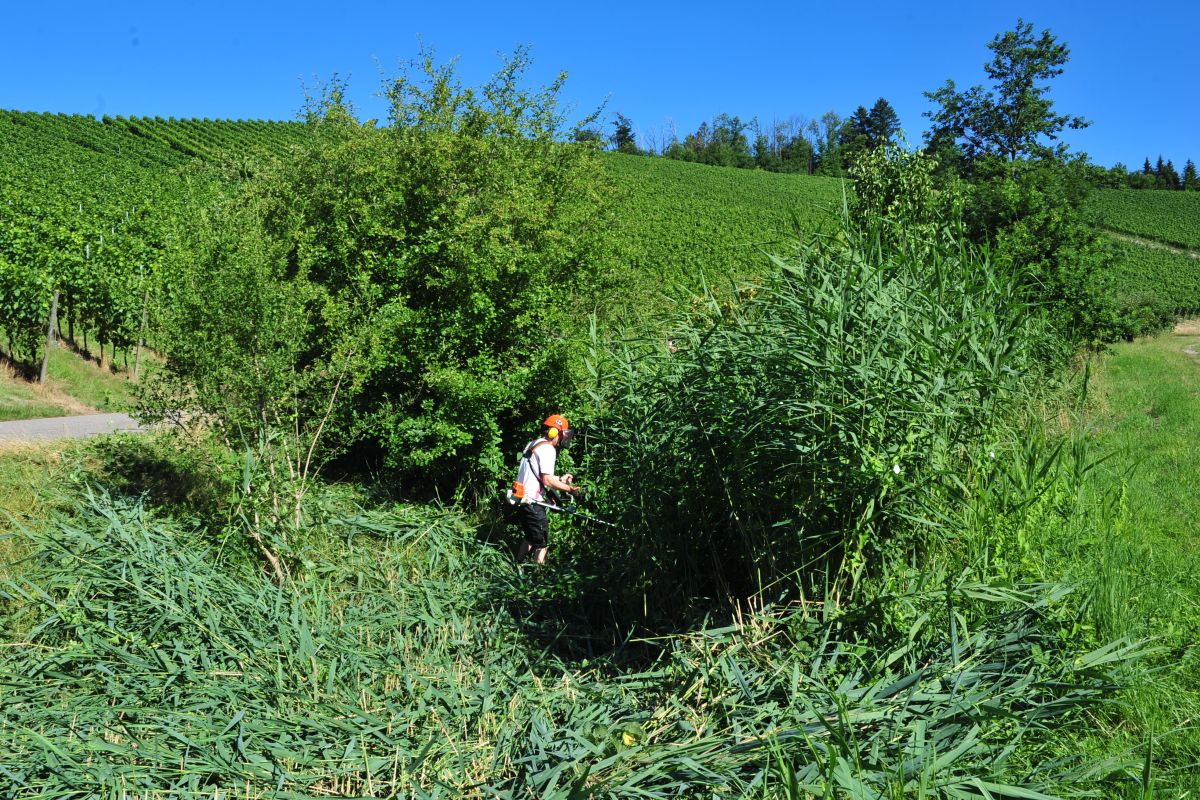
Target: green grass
1145,412
75,386
20,399
105,388
157,663
27,474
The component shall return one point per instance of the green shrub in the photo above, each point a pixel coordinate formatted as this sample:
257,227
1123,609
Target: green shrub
409,289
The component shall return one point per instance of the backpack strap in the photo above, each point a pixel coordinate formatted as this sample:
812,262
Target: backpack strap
530,454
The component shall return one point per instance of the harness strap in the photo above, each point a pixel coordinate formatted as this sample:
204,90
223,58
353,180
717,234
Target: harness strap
531,451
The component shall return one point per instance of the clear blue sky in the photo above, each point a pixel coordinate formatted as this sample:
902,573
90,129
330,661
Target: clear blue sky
1134,67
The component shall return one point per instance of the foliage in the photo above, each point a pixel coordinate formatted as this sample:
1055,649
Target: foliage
407,290
86,206
1152,286
256,351
1030,213
897,197
723,143
623,140
868,130
1016,119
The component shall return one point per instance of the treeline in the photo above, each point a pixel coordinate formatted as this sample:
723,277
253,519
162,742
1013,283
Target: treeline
1160,175
828,145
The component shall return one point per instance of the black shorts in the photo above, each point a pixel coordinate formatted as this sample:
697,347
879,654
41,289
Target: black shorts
535,524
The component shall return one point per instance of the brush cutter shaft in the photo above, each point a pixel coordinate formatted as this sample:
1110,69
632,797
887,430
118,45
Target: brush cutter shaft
573,513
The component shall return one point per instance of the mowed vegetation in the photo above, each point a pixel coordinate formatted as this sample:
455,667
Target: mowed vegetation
1142,414
857,553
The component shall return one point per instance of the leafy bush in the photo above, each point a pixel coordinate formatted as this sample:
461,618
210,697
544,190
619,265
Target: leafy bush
1029,213
418,282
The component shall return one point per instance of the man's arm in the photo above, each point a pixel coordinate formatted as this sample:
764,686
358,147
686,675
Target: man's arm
558,484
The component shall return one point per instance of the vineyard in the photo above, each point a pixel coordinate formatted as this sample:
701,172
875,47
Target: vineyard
679,220
1169,217
87,210
1152,280
1147,275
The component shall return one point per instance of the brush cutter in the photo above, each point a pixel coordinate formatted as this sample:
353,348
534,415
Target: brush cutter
571,510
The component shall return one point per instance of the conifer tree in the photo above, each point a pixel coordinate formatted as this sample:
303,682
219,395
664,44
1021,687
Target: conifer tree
1191,182
1171,176
884,123
622,138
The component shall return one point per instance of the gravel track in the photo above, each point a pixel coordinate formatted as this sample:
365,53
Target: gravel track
33,430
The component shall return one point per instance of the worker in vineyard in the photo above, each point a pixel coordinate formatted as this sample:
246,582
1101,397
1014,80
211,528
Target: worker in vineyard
536,483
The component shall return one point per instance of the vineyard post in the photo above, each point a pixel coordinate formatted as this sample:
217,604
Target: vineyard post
49,336
137,358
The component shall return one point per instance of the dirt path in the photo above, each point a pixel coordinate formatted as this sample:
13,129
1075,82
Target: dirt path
1189,327
32,430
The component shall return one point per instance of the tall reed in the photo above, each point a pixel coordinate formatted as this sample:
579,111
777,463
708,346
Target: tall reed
788,439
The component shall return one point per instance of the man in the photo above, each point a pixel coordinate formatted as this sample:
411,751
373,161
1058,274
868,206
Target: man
534,480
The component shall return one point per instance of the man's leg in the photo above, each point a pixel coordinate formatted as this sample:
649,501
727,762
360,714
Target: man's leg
536,527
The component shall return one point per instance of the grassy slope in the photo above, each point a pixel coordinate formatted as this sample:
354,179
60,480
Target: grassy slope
75,386
1145,413
27,473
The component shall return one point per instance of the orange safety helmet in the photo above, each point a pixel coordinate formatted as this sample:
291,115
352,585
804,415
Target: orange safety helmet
556,425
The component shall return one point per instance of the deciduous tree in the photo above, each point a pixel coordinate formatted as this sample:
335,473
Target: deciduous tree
1015,118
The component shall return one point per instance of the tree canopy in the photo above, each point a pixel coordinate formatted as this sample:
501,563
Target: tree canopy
1015,118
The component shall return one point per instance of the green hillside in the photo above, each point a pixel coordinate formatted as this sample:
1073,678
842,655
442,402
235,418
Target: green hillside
92,208
1155,236
833,506
1162,216
148,142
681,223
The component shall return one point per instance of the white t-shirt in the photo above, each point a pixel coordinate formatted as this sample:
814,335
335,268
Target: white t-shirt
541,459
